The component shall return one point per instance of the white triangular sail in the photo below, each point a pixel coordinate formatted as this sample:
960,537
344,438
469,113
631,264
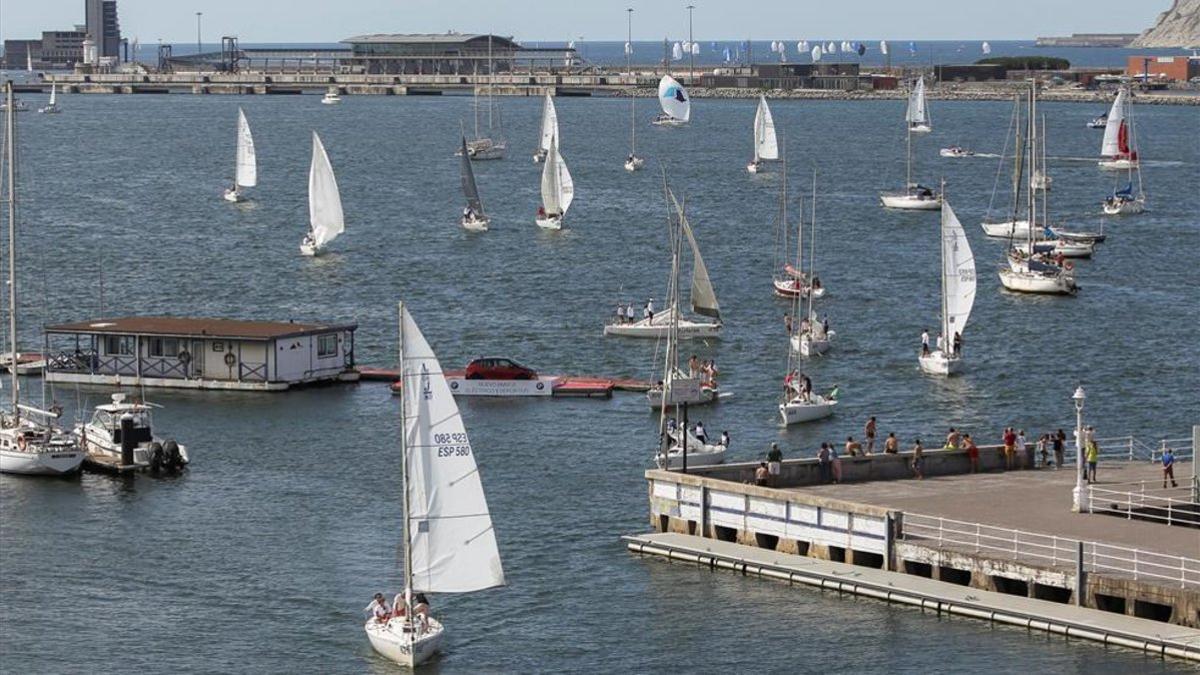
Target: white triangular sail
325,217
247,163
566,186
674,99
958,269
677,51
765,144
1111,146
452,544
53,93
704,298
549,123
558,190
917,114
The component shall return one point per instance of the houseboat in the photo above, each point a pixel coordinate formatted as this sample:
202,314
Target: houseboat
192,353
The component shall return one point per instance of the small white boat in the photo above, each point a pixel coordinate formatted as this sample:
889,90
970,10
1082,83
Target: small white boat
707,392
919,121
52,107
957,273
675,102
914,197
473,218
491,146
632,162
1098,122
1008,229
1118,150
766,146
813,342
698,454
790,279
917,198
1038,277
797,287
1124,204
558,190
246,169
325,218
449,542
1041,181
1079,235
799,408
331,97
659,325
956,151
549,129
103,438
29,364
1067,248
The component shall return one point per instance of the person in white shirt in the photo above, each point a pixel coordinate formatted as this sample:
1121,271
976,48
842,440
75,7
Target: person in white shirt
701,435
379,609
620,313
925,343
941,343
629,315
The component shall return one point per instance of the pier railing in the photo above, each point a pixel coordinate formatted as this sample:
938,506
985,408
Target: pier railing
1132,449
1047,549
1145,500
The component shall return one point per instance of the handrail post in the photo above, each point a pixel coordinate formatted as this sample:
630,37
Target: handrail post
977,539
1080,580
1135,564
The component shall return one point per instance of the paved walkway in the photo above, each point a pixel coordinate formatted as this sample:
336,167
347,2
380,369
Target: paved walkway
1035,501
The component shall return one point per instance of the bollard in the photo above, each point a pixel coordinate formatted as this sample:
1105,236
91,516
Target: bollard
1080,579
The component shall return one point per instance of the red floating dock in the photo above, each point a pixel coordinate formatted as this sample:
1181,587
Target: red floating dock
564,385
588,387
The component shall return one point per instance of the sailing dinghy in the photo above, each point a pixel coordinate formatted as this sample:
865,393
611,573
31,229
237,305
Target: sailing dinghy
791,281
675,101
918,111
325,219
473,217
52,106
449,541
558,190
246,171
958,296
549,129
765,144
914,197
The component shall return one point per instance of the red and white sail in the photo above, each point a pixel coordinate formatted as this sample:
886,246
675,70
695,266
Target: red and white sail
1117,142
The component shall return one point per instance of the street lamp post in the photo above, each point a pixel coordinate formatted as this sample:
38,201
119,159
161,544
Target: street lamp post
1077,494
198,15
691,50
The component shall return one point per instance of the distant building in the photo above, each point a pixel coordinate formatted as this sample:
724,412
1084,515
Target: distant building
17,53
447,54
62,48
102,27
1165,68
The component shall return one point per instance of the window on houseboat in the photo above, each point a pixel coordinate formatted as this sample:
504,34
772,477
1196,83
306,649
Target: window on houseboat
118,344
164,347
327,345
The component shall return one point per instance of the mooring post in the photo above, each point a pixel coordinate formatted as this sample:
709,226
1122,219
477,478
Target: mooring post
1080,578
889,541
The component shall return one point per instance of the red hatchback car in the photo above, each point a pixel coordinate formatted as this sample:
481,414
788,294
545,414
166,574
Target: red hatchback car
498,369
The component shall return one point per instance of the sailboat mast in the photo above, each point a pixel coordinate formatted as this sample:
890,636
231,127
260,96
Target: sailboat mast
1031,145
947,339
491,83
812,245
404,385
632,92
11,157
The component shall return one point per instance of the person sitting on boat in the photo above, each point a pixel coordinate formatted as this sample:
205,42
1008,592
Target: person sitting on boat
420,605
805,388
816,283
379,609
787,323
541,212
700,433
925,342
308,240
805,326
672,425
825,325
725,439
924,192
629,159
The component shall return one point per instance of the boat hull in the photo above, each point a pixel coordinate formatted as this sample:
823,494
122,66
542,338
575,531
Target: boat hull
1126,208
920,129
1008,229
792,288
475,224
753,167
390,642
549,222
798,412
49,463
1036,283
539,156
669,122
938,363
807,346
955,154
711,455
909,202
1118,164
634,164
707,395
1067,249
688,330
310,250
234,196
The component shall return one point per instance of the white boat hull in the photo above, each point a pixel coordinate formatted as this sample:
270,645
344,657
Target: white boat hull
707,395
938,363
910,202
484,149
311,250
634,164
331,101
1008,229
50,110
1125,208
955,154
1037,283
1118,164
793,288
668,122
475,224
808,346
549,222
688,330
391,642
920,129
539,156
233,196
799,412
754,167
49,463
710,455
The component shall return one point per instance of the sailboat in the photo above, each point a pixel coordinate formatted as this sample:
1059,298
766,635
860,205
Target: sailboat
492,145
473,217
765,144
558,190
325,219
1029,271
671,319
958,295
247,162
549,128
29,443
1118,150
915,196
51,107
799,403
1013,228
449,540
632,162
678,445
790,281
812,337
675,102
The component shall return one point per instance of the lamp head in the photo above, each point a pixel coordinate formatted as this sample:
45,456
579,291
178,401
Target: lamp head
1079,397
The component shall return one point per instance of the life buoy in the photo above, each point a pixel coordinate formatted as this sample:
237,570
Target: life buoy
230,359
1068,265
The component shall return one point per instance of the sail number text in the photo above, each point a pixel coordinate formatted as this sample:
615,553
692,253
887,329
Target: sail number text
452,445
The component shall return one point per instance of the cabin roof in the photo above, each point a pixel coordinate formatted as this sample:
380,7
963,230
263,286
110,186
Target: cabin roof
193,327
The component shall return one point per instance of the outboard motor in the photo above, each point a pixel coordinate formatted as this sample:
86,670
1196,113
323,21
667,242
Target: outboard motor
173,461
127,440
156,457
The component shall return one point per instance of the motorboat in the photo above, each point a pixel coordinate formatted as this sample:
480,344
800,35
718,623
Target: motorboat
121,428
956,151
331,97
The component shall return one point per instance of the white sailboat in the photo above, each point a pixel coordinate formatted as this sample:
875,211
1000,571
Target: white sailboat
473,217
549,128
449,540
958,295
29,443
632,162
766,146
671,320
799,403
1014,227
246,170
812,337
558,190
1118,150
914,197
675,102
491,145
325,218
1028,271
51,108
790,280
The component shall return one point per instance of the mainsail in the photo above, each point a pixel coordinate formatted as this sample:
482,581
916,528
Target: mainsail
452,544
324,202
558,190
1116,131
53,93
549,123
247,164
467,173
916,105
765,144
704,298
674,99
958,270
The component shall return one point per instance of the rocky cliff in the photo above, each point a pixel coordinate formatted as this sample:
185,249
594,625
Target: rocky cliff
1176,27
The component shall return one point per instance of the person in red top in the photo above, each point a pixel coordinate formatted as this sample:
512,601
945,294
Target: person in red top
972,452
1010,448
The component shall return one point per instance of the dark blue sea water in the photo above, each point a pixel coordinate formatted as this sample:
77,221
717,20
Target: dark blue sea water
261,557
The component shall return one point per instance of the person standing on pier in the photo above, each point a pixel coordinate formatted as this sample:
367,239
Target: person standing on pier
869,433
835,463
823,462
774,464
1168,462
891,445
1059,439
1010,448
1022,446
972,452
918,460
1092,454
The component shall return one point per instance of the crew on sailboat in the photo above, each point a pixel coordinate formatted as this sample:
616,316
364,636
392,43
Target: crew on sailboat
925,342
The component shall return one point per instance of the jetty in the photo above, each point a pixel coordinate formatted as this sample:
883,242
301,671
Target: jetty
581,386
1000,545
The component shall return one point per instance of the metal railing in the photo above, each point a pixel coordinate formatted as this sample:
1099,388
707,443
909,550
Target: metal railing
1048,549
1173,506
1131,449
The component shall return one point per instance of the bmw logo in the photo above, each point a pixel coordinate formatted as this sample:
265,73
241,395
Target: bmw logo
454,385
541,386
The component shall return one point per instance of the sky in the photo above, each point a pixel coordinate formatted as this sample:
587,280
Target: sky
254,21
